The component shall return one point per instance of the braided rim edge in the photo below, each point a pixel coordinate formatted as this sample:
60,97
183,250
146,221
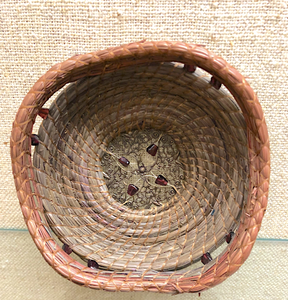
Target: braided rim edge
109,60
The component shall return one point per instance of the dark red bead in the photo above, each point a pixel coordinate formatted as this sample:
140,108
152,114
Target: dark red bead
215,83
43,113
93,264
229,237
66,249
161,180
190,68
124,161
205,258
152,149
132,189
35,140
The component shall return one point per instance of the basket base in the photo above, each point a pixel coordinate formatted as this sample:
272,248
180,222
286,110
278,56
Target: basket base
142,169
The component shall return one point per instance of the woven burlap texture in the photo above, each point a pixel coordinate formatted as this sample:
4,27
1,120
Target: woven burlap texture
252,36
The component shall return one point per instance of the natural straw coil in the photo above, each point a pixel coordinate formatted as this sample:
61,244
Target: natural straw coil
212,157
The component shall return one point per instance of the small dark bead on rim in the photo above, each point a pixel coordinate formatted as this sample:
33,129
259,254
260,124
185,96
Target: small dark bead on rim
124,161
190,68
152,149
35,140
93,264
43,113
66,249
205,258
132,189
215,83
161,180
229,237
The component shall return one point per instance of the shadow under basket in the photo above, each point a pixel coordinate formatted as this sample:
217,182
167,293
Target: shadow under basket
147,174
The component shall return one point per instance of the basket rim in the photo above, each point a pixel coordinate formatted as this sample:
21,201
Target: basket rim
108,60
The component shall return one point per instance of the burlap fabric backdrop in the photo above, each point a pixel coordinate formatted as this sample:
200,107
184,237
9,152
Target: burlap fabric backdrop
252,36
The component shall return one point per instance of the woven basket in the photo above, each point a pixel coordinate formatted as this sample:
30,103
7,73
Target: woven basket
147,174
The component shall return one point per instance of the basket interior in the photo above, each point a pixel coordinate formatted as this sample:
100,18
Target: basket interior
202,153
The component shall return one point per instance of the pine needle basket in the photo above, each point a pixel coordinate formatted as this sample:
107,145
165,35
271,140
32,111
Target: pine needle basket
144,166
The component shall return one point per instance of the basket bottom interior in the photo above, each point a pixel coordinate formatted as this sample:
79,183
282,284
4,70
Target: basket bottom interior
142,169
167,224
